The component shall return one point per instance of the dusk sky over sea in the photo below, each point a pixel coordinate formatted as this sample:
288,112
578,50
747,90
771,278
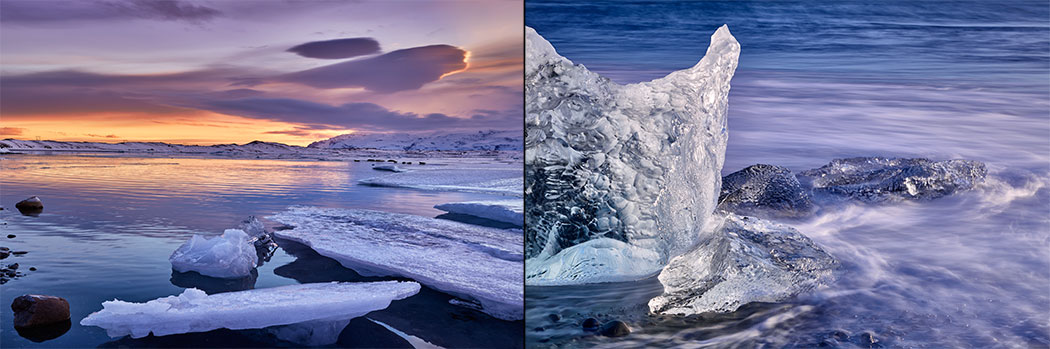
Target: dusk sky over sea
207,72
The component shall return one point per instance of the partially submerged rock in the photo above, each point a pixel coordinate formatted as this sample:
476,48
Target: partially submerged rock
474,263
764,190
615,328
37,310
874,179
745,260
195,311
31,206
229,256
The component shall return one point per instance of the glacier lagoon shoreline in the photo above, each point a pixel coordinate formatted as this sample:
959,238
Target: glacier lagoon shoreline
205,196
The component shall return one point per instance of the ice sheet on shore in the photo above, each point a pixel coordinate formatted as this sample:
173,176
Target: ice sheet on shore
195,311
475,263
229,256
500,181
745,260
635,163
507,211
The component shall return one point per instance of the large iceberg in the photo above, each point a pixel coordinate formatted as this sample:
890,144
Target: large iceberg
745,260
499,181
622,177
479,264
229,256
507,211
195,311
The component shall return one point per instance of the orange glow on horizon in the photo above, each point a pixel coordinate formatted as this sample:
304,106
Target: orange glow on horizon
203,129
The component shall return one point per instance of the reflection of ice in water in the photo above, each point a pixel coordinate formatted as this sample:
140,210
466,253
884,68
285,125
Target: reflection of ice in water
620,178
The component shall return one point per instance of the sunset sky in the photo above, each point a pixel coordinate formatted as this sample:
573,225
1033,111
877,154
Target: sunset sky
207,72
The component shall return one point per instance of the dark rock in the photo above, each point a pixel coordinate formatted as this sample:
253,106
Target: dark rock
422,163
10,236
615,328
364,333
13,266
355,160
764,190
867,338
840,335
554,317
36,310
32,268
591,324
19,252
44,332
874,179
394,161
31,206
4,254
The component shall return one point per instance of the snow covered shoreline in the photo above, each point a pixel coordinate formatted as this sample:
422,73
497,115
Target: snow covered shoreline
252,150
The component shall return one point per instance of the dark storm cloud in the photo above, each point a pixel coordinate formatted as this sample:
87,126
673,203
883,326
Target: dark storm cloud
401,70
52,11
338,48
367,116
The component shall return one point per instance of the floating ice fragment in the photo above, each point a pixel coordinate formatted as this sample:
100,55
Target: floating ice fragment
391,168
875,179
636,163
745,260
500,181
475,263
507,211
194,311
229,256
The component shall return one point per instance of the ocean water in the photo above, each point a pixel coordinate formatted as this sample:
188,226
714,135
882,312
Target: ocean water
825,80
110,222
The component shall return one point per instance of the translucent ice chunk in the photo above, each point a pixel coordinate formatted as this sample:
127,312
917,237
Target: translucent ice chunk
195,311
229,256
634,163
471,262
874,179
507,211
745,260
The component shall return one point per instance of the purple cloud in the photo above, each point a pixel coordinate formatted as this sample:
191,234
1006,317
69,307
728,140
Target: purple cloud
53,11
401,70
338,48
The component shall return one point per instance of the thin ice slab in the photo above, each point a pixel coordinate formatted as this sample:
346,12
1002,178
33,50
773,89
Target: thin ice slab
507,211
196,311
499,181
478,264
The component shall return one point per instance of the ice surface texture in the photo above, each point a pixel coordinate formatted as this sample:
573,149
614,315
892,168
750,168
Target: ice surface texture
475,263
499,181
745,260
507,211
765,189
874,179
195,311
636,164
229,256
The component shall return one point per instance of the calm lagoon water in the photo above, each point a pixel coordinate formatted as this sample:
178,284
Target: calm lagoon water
110,223
825,80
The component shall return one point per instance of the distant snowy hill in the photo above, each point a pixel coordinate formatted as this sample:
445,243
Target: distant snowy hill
152,147
460,141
